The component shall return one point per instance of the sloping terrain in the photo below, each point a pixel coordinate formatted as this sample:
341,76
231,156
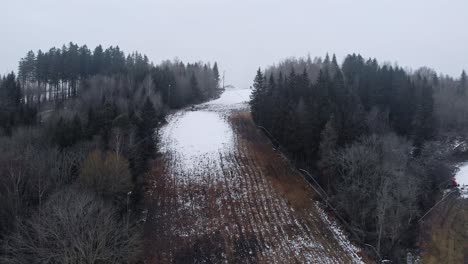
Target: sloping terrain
221,194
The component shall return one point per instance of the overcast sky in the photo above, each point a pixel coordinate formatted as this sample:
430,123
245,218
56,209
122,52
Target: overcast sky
243,35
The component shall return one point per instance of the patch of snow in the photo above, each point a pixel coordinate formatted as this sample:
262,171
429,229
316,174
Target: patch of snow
339,235
462,179
197,138
232,96
462,174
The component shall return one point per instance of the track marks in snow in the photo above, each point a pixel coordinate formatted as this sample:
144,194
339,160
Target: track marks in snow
230,198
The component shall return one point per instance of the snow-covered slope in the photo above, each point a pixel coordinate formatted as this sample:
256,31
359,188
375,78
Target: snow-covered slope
215,198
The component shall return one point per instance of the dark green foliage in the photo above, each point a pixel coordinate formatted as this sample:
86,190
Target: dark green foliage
144,150
424,126
67,132
347,93
12,112
351,124
10,93
60,73
194,87
257,96
463,83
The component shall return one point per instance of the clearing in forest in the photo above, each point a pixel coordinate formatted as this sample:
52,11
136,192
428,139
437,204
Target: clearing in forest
221,194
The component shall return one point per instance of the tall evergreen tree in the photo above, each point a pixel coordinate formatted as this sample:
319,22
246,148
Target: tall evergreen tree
424,124
27,68
98,59
256,97
194,87
463,83
216,72
10,93
145,147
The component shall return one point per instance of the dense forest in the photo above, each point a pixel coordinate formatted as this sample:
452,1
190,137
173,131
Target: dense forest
373,134
77,131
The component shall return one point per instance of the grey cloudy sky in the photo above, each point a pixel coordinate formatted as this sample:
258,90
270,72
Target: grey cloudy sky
245,34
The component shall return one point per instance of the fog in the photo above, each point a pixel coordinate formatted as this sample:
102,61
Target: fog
243,35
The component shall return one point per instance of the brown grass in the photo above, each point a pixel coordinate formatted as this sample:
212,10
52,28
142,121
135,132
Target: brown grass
281,174
446,235
257,209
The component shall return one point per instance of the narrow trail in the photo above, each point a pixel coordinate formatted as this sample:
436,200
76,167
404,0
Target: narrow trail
221,194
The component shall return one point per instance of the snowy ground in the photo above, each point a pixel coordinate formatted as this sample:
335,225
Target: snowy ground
220,194
462,179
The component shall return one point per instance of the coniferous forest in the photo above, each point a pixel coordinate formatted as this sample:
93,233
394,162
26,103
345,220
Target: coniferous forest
77,132
372,135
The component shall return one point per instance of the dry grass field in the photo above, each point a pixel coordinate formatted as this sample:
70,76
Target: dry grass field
446,233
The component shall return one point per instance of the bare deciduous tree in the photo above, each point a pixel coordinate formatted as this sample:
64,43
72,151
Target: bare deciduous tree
73,227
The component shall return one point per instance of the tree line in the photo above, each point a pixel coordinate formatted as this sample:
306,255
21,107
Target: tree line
78,131
57,73
369,132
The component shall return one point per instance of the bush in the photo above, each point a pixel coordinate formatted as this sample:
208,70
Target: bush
106,173
73,227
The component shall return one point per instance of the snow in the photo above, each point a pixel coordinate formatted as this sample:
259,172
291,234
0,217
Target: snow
194,135
232,96
462,174
462,179
209,181
198,137
339,235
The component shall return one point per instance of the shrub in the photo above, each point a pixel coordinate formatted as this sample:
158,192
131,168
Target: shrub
106,173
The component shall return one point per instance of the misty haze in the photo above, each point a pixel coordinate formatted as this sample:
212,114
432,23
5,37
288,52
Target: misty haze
234,131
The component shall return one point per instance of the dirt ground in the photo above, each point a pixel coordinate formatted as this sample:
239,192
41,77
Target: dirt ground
241,203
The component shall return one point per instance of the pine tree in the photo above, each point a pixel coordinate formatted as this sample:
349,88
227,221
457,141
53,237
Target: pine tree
216,73
463,83
98,58
107,115
326,62
196,93
257,96
424,123
334,67
10,93
328,143
85,58
10,102
27,68
145,147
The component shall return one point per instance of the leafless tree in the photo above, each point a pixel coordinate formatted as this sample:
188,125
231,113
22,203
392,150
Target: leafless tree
72,227
377,189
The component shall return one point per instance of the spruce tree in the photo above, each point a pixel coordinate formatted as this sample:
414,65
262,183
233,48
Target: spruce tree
424,123
98,57
196,93
257,96
10,93
145,147
463,83
328,143
216,72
